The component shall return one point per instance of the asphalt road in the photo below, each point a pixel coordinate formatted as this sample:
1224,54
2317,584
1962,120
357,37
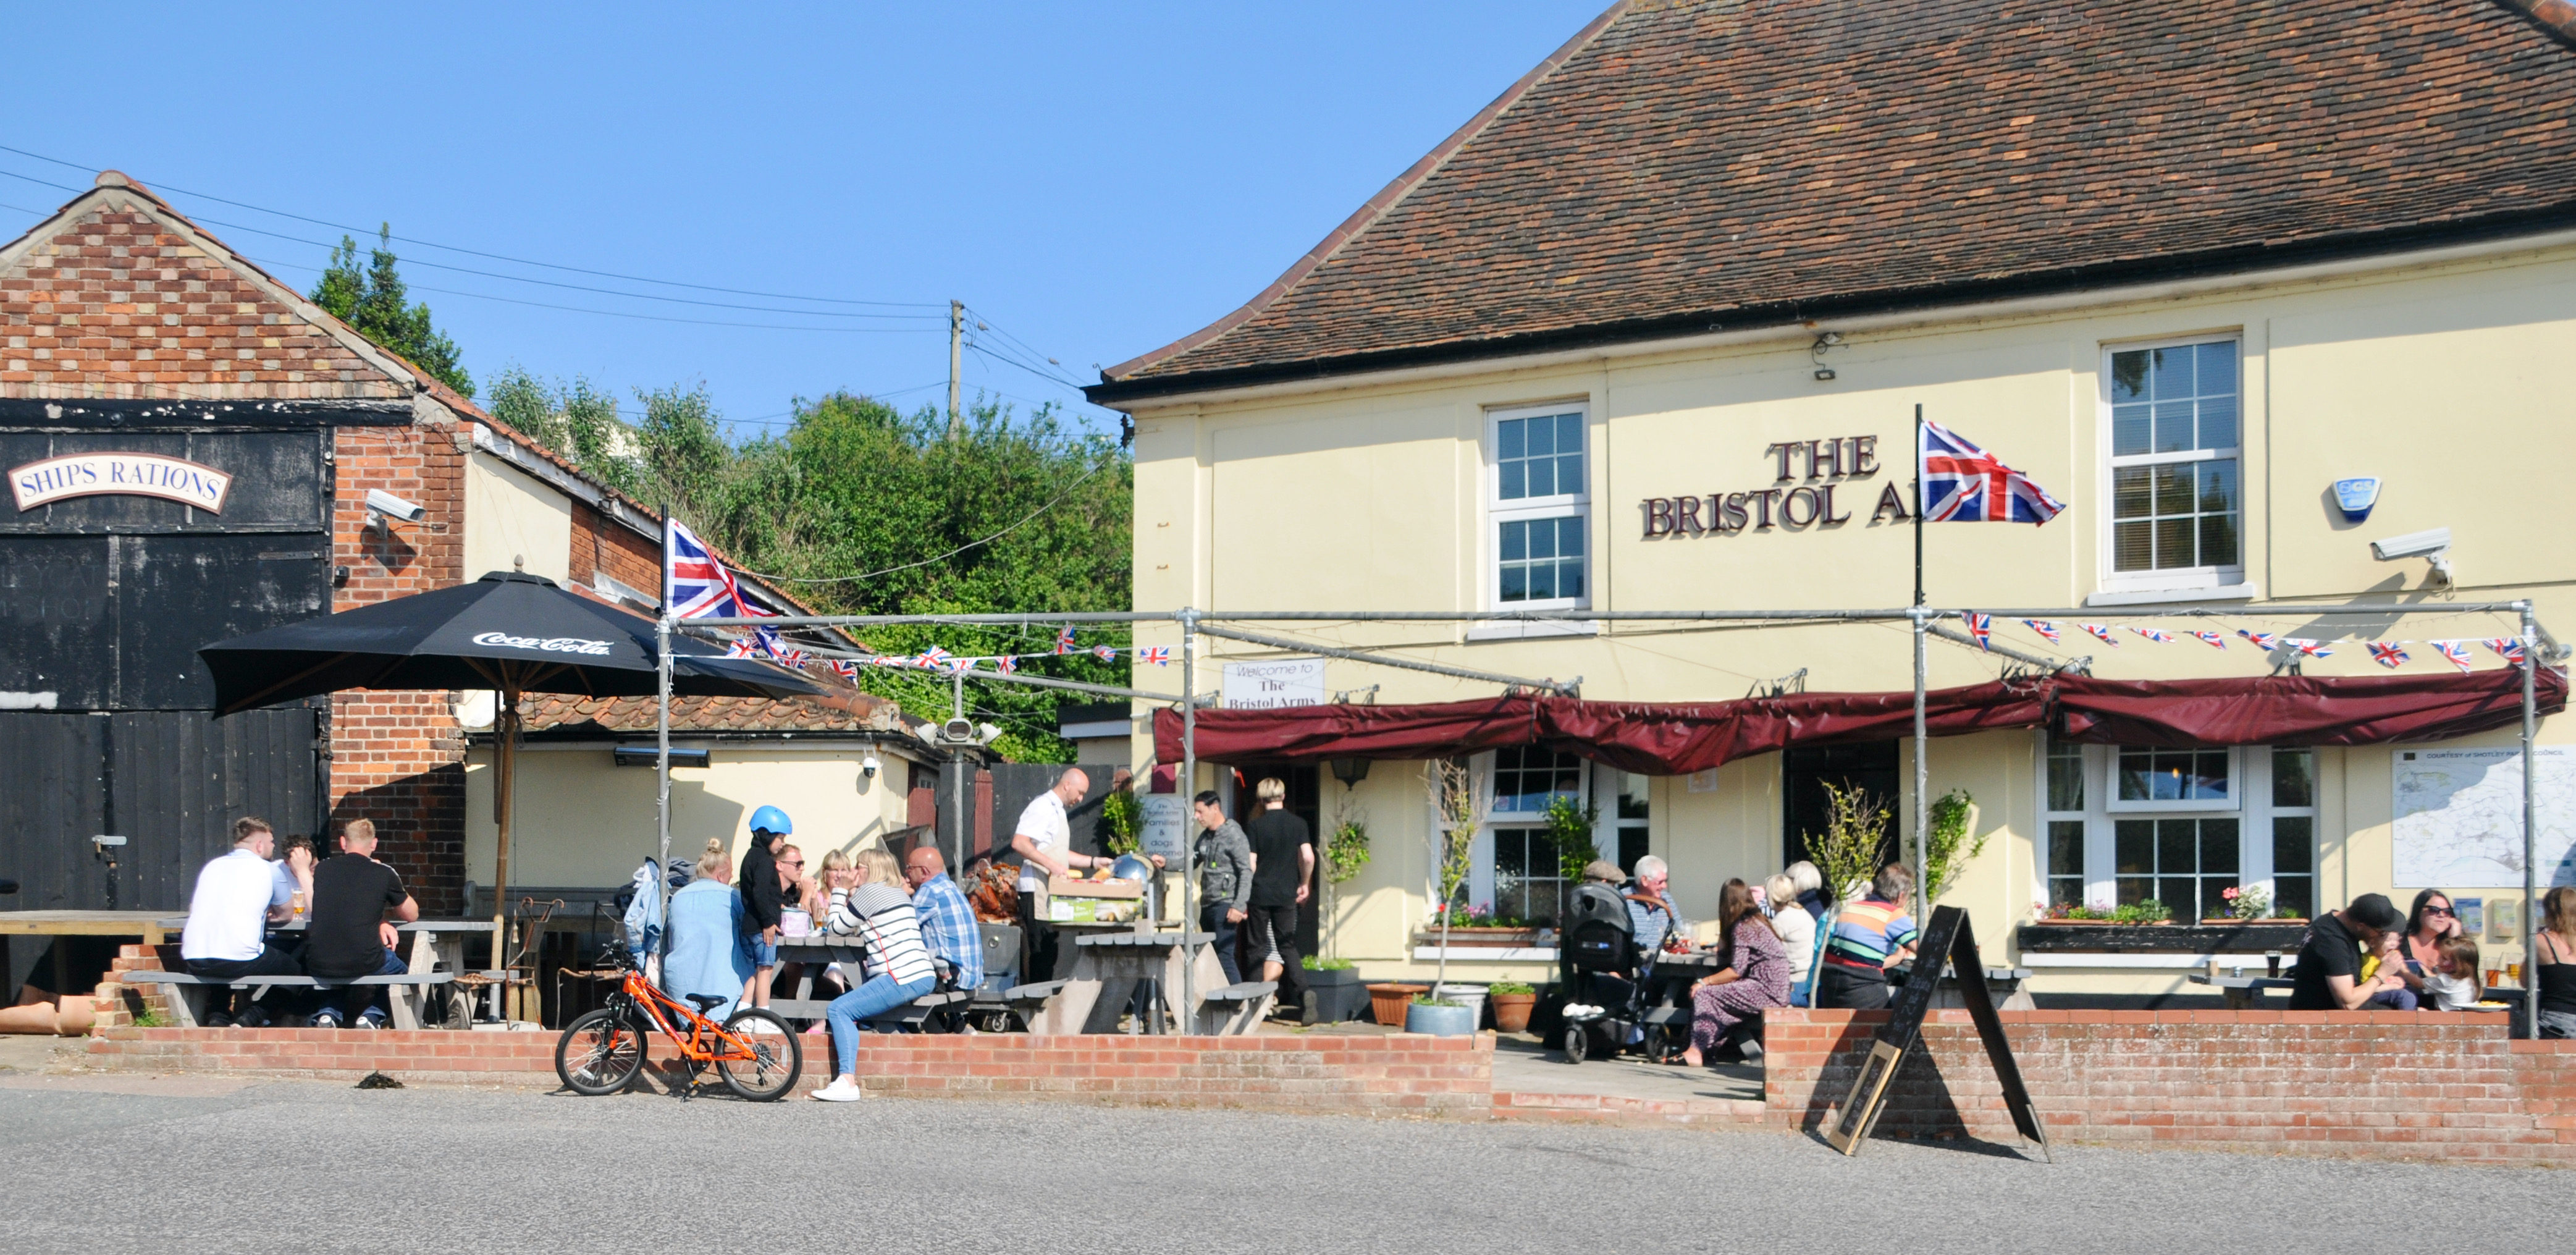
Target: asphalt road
198,1165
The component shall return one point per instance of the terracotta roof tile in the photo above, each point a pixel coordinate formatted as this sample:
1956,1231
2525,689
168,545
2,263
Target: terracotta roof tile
1687,167
848,711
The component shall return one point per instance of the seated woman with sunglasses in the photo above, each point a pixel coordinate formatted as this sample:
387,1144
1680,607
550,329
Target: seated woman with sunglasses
2428,923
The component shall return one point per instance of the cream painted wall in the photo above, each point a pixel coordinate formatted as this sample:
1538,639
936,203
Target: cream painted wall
511,514
2440,378
583,821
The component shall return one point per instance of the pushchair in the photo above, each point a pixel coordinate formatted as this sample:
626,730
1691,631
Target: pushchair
1608,984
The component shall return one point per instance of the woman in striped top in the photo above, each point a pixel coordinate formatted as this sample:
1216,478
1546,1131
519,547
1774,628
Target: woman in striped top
878,911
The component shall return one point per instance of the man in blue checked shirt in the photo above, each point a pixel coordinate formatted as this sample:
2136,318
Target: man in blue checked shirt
947,923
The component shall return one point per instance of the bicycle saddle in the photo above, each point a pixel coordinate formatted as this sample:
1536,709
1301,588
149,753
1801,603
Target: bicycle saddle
705,1002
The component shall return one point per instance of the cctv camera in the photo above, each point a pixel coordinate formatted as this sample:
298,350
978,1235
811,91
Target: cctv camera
868,766
383,504
2434,545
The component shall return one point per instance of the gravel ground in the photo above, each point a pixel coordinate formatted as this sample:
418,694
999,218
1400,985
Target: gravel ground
198,1164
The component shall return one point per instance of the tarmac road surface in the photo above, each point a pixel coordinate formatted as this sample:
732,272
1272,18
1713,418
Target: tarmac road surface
205,1164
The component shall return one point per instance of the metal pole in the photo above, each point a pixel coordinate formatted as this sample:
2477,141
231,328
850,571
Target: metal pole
506,781
1922,788
2530,818
957,791
1188,785
1888,615
662,759
1307,647
1918,512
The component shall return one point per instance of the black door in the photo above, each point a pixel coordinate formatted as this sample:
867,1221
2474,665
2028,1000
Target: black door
1305,801
1870,768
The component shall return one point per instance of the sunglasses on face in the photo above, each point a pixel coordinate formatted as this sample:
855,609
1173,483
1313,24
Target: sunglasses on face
2437,910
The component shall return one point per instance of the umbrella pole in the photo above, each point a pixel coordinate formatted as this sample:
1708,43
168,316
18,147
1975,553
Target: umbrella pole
506,780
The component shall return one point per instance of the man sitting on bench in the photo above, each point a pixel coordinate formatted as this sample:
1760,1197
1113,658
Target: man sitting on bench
237,897
947,923
349,936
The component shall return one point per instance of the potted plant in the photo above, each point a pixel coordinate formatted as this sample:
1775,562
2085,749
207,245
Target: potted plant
1513,1002
1122,821
1439,1018
1458,809
1333,991
2248,903
1388,999
1478,927
1948,851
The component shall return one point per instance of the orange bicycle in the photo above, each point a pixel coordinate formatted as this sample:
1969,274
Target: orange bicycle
602,1051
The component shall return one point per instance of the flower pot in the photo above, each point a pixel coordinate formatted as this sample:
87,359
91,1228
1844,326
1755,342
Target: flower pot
1512,1011
1439,1021
1387,1002
1471,997
1334,995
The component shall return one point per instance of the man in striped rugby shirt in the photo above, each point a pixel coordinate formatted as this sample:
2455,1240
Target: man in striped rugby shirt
1867,935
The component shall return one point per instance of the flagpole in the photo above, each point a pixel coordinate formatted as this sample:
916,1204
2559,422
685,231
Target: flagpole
1918,504
662,721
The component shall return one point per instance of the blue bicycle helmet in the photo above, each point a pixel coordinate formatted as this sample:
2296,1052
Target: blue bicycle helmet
772,820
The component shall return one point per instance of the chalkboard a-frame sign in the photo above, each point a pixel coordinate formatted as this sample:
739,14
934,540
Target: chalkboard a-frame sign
1949,941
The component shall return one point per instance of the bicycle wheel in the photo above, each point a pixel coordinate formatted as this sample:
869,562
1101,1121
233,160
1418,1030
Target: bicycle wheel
776,1057
600,1053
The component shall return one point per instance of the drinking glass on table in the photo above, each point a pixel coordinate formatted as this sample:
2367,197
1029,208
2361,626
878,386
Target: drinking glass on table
2514,970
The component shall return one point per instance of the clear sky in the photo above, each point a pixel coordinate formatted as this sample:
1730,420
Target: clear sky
1092,180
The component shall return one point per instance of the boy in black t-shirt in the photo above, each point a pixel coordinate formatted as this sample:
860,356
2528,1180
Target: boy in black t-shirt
349,936
1283,865
2328,977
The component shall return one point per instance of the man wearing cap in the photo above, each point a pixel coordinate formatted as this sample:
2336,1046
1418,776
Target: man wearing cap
2329,977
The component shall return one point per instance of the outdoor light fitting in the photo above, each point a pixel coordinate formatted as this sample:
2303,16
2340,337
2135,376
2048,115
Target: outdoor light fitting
1350,771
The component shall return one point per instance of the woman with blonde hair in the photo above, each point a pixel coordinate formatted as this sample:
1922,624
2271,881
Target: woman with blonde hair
702,943
2554,967
871,902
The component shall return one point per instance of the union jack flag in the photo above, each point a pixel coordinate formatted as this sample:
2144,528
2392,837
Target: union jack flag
2152,634
2218,639
2389,654
1064,640
1982,627
882,660
2265,641
2311,648
932,658
696,586
1964,484
777,648
1007,664
2100,633
1105,653
846,668
2507,648
1159,655
2047,630
742,648
2456,651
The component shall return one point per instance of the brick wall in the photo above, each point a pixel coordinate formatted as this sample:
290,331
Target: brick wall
2380,1084
600,543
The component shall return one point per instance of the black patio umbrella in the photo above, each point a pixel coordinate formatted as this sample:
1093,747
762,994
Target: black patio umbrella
510,632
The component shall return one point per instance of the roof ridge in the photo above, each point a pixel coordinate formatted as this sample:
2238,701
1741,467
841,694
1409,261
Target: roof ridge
2558,16
1387,198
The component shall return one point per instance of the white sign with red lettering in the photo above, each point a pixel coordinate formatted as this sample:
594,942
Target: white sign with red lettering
130,474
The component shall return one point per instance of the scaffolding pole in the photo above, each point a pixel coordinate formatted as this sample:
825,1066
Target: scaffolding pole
1382,660
1188,785
1896,615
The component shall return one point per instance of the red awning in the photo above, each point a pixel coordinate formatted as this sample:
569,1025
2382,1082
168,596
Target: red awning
1676,738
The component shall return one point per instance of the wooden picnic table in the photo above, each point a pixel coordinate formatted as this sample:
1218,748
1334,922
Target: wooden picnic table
146,925
1107,967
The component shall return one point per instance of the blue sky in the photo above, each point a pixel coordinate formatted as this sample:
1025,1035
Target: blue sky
1092,181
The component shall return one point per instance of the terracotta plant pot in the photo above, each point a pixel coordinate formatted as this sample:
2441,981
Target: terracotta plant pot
1387,1002
1512,1011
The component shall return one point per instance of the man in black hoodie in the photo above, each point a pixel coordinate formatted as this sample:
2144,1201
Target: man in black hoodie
763,897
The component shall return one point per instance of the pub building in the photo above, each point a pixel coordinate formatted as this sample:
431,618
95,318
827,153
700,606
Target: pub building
195,452
1650,332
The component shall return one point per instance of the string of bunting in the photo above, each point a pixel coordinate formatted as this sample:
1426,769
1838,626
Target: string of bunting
2390,654
766,643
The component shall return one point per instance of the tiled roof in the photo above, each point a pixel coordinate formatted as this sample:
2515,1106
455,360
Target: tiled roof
847,711
1680,168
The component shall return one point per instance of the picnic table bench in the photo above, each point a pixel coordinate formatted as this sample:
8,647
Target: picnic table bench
411,990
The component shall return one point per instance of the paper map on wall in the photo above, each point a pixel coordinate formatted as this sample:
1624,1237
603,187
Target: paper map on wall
2459,817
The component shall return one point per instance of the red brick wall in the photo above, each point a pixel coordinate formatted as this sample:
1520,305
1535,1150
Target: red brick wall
398,758
600,543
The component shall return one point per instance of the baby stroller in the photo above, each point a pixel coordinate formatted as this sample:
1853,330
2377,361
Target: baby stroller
1607,983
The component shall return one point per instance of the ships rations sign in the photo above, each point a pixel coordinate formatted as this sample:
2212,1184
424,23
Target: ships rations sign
130,474
1274,683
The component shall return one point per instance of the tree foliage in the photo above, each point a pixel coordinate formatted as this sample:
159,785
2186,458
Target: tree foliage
372,301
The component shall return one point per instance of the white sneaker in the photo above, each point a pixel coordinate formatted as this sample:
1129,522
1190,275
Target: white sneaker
845,1088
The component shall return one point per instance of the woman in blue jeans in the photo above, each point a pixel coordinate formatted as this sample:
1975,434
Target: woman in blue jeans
896,965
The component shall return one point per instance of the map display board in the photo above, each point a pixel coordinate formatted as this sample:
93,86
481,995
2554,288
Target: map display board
2458,817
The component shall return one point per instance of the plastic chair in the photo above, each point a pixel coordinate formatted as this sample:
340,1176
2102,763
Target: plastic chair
1804,992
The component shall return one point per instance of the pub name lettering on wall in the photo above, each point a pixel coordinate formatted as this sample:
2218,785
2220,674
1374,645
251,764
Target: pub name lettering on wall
1827,465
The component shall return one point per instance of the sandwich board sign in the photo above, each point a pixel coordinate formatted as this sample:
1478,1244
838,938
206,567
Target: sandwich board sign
1952,942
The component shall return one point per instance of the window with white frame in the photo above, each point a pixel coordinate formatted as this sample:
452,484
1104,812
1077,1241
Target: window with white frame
1519,864
1539,506
2129,824
2176,436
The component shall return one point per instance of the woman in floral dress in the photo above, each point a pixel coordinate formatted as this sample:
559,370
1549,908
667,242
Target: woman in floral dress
1756,976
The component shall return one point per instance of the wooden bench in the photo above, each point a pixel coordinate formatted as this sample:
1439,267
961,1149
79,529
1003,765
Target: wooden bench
1235,1009
190,991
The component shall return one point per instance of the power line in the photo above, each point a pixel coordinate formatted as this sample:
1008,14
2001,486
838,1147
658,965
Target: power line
615,313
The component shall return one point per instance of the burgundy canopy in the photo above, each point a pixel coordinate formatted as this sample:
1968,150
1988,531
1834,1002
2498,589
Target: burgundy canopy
1672,738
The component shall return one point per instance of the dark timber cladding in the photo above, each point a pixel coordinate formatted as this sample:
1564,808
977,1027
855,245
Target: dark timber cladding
105,711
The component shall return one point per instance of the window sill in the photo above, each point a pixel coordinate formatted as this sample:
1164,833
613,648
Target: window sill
2173,596
1530,629
1489,954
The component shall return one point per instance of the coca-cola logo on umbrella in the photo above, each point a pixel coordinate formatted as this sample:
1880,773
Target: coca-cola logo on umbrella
551,644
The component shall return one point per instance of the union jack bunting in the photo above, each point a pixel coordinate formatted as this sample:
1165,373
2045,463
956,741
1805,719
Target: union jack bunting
1064,639
1007,664
2047,630
2506,648
778,649
846,668
695,585
2216,639
2265,641
2100,633
2390,654
2456,651
1159,655
2152,634
742,648
1964,484
1982,627
932,658
2311,648
1105,653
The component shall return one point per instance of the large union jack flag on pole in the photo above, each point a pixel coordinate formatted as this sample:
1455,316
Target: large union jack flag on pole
1964,484
694,584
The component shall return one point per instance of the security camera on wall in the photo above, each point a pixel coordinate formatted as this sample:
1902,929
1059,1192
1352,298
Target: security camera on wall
382,505
868,766
2434,545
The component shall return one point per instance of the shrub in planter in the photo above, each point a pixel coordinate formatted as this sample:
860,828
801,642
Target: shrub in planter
1512,1002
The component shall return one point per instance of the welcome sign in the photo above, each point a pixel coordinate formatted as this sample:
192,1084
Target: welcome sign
129,474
